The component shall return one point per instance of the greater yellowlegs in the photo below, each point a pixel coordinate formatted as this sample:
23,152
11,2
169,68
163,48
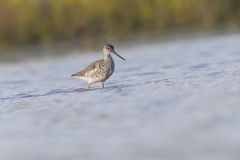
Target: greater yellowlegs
100,70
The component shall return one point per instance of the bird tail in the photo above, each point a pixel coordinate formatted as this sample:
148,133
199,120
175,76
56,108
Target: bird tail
76,75
73,75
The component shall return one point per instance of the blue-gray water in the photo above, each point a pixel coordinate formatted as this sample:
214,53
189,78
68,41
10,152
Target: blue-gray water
170,100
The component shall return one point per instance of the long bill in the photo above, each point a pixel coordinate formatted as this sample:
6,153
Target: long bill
118,55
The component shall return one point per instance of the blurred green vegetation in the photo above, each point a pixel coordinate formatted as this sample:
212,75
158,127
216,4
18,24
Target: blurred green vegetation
41,21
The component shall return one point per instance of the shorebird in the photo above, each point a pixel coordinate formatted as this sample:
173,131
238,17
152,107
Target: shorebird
100,70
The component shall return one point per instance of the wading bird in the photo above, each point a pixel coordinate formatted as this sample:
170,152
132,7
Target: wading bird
100,70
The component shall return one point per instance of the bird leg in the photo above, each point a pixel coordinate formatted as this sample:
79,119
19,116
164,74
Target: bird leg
88,86
102,84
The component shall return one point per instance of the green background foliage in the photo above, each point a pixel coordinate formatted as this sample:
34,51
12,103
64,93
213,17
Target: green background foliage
37,21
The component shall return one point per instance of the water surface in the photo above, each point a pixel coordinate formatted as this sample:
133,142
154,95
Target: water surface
170,100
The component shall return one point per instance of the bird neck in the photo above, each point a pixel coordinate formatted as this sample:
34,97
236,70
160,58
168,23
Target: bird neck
108,57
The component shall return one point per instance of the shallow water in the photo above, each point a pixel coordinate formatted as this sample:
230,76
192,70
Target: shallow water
170,100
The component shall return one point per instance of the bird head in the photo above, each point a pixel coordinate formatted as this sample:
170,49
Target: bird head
108,49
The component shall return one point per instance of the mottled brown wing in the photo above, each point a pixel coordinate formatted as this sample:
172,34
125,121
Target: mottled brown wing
90,67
